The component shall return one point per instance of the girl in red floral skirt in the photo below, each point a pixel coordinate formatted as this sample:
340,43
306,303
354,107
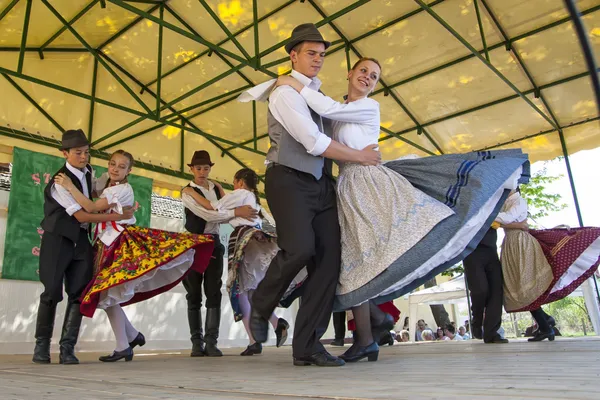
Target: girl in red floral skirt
131,263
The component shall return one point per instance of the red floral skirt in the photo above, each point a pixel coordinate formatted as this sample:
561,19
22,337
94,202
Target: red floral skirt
142,263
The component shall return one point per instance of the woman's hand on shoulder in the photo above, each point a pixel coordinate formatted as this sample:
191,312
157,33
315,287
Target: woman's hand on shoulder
64,181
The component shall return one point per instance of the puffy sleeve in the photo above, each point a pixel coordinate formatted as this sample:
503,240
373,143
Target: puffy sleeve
514,210
122,196
235,199
364,111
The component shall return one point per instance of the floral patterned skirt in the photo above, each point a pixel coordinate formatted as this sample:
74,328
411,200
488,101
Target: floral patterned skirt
142,263
250,252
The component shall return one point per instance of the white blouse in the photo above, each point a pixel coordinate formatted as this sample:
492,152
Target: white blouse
121,196
513,210
355,124
238,198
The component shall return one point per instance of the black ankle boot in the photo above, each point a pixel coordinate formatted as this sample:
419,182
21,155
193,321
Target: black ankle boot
213,320
43,333
127,354
70,333
196,332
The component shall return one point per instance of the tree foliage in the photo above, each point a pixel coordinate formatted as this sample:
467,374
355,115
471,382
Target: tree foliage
539,201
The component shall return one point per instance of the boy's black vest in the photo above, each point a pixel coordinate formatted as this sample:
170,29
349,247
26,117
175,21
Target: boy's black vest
56,220
193,223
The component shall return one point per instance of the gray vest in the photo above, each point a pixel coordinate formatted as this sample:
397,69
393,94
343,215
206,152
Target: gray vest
286,150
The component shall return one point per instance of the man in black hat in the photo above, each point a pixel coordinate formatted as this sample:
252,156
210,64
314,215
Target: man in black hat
66,253
202,221
301,196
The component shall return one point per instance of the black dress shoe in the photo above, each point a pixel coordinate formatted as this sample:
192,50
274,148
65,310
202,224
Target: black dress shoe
259,327
254,348
496,339
127,354
139,340
337,342
356,353
539,336
281,332
322,359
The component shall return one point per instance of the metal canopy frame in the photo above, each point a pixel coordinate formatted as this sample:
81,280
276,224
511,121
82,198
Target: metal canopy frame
170,113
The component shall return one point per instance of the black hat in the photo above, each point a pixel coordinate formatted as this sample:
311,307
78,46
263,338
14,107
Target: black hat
73,138
305,33
201,157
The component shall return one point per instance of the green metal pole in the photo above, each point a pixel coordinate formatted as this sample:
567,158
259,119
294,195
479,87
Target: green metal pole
93,101
499,74
24,36
34,103
182,143
224,28
71,22
256,44
222,42
178,30
480,23
192,30
95,55
8,8
254,125
159,61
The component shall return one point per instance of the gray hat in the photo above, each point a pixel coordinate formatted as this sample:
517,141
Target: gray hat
305,33
73,138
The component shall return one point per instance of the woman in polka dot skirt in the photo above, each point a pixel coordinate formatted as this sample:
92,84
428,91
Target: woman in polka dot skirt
542,266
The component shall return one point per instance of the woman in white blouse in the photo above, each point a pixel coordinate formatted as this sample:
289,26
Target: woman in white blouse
405,221
250,252
542,266
131,263
368,196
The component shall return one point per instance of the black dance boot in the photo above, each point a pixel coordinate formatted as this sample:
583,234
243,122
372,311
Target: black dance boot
196,333
43,333
70,333
213,320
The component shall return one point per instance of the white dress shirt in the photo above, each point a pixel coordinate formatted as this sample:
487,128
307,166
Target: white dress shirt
213,218
238,198
66,199
289,109
513,210
356,124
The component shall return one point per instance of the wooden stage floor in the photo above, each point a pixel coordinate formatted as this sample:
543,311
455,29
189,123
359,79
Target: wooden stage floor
568,368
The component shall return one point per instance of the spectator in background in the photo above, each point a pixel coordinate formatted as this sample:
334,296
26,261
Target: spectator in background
462,331
403,336
440,334
451,334
421,326
427,335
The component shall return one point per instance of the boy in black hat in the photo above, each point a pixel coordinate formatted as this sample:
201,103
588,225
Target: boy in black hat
202,221
66,252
